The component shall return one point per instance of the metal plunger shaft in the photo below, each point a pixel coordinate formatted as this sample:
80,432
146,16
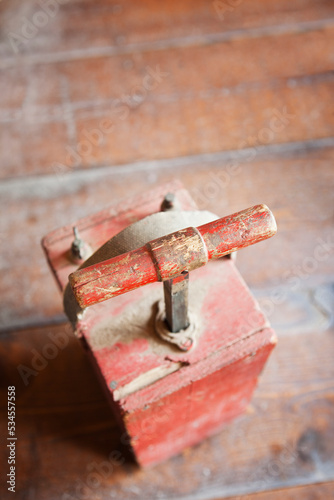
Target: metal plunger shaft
176,302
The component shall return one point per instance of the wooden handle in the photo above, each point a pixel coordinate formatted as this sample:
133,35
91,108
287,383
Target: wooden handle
167,257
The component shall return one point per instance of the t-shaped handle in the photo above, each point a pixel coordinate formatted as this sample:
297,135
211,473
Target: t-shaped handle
169,256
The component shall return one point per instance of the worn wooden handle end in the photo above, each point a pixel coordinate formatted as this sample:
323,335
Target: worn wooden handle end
239,230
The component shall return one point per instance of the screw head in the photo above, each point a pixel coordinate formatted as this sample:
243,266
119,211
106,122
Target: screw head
80,250
168,202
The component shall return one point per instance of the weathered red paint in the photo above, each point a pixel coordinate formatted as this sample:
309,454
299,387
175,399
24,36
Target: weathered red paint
169,256
197,410
113,277
98,228
215,380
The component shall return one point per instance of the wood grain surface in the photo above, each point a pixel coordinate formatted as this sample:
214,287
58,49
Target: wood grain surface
106,100
66,431
297,185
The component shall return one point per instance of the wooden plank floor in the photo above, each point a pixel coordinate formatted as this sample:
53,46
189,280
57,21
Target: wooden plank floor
68,442
101,100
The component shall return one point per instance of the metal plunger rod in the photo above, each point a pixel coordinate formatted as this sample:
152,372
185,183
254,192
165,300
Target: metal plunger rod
176,302
167,257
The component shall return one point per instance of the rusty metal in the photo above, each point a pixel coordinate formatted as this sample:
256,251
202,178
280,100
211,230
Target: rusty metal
80,250
176,302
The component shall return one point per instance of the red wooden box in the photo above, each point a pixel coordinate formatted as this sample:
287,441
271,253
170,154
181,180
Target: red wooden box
167,399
